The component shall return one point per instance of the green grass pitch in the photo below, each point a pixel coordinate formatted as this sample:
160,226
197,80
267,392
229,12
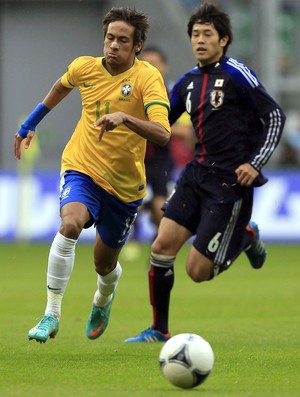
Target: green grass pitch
250,317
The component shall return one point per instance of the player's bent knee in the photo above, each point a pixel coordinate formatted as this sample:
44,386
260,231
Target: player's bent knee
200,273
70,228
198,278
103,268
160,248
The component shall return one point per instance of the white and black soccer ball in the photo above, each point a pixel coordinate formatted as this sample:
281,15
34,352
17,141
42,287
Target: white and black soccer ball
186,360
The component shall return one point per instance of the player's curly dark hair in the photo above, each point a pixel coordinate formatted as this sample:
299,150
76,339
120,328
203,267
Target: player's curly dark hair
137,19
208,12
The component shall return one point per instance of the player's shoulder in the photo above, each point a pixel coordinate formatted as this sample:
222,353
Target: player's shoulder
146,67
240,72
84,63
187,79
190,73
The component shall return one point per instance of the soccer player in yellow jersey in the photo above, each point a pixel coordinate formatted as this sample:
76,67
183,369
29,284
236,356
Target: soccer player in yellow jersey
124,104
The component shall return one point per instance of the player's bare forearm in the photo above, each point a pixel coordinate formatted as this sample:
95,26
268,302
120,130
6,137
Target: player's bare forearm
149,130
152,131
26,132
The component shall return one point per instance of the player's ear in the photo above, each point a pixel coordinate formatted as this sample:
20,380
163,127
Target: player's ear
224,41
138,47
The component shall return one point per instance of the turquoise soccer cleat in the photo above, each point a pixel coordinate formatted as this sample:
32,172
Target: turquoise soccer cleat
149,335
46,328
98,320
256,253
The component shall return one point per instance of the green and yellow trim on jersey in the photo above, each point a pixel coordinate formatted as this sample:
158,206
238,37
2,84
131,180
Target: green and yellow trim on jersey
158,103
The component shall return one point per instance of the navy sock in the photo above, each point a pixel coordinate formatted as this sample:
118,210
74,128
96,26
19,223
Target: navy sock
161,280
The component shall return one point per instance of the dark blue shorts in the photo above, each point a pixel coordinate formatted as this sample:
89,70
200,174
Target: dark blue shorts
159,177
215,209
112,217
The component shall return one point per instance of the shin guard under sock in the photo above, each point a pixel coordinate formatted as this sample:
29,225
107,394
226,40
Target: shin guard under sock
161,280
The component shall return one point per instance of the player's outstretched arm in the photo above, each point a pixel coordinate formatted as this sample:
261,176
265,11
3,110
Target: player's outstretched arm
57,93
54,96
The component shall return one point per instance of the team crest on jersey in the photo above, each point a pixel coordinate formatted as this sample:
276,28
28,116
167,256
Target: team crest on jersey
219,82
126,89
216,98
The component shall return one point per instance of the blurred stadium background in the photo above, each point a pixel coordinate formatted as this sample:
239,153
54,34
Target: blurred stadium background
40,38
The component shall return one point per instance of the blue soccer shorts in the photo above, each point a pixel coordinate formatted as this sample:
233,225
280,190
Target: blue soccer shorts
112,217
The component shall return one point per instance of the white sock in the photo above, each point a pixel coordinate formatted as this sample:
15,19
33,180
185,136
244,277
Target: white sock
60,265
106,286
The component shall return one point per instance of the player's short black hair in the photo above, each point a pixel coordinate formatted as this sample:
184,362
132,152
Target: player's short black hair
208,12
137,19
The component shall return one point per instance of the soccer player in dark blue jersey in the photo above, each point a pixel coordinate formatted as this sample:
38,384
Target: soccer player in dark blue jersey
237,126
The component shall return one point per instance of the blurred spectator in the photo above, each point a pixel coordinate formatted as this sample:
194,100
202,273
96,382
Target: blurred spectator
182,143
290,142
162,162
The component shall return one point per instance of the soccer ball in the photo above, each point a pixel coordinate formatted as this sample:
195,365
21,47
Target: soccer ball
186,360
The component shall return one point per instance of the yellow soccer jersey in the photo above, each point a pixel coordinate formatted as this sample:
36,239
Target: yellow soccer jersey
116,163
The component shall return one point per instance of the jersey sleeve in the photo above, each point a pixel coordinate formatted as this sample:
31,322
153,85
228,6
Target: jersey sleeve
155,97
270,118
159,113
67,78
76,69
176,103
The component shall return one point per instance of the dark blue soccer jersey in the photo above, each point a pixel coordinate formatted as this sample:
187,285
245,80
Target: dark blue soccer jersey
235,120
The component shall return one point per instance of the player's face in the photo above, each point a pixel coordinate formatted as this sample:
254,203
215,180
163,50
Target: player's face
206,43
119,51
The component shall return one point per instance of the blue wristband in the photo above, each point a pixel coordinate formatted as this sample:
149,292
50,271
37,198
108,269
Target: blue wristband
33,119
